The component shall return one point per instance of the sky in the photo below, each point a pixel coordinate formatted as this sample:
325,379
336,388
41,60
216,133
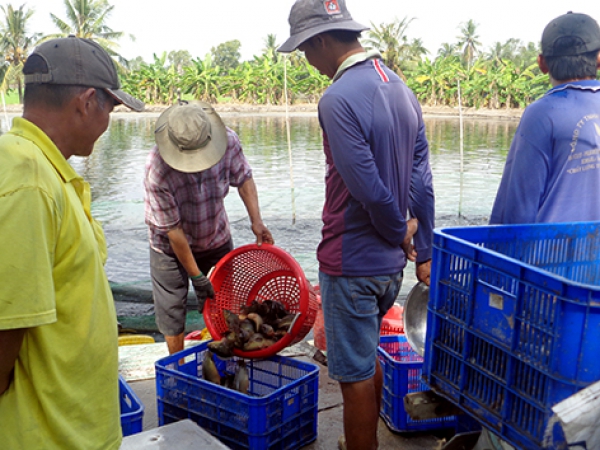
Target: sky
199,25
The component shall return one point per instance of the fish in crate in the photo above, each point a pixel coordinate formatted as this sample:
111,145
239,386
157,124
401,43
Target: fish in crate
257,326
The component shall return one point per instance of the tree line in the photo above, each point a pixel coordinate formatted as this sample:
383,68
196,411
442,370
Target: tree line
504,76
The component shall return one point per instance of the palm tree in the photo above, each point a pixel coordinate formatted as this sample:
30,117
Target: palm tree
391,40
87,19
468,41
416,50
499,52
270,49
526,55
446,50
15,42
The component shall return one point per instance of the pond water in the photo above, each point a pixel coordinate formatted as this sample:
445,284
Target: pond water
116,168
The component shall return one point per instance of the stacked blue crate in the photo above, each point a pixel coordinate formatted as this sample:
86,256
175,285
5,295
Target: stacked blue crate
280,410
514,322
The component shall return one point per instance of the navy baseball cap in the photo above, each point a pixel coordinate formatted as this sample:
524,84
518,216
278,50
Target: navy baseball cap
311,17
571,34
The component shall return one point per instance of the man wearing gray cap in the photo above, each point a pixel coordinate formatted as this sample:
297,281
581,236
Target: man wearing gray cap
58,330
552,172
377,172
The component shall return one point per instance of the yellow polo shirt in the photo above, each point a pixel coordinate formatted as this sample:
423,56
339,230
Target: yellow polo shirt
65,391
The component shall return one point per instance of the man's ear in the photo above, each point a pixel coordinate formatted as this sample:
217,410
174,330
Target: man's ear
85,100
598,60
542,64
319,40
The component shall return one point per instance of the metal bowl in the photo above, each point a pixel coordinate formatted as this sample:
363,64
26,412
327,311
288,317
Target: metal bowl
415,317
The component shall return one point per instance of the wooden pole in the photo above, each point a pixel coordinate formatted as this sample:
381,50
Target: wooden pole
461,131
289,140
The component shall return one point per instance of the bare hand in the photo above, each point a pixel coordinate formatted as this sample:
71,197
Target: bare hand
262,234
412,225
423,272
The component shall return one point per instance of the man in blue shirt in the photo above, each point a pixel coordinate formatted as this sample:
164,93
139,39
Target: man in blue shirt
552,172
377,172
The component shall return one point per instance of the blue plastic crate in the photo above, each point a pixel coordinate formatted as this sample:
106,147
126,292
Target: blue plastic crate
279,412
132,409
401,367
514,322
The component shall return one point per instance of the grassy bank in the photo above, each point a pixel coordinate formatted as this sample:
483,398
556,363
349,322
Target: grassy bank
12,105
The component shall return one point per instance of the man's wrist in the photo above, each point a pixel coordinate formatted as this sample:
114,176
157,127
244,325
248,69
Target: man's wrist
197,277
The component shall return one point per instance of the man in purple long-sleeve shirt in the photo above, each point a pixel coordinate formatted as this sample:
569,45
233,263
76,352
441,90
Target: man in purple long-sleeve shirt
377,171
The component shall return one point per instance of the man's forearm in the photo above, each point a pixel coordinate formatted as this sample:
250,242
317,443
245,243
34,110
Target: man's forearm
249,196
182,251
10,345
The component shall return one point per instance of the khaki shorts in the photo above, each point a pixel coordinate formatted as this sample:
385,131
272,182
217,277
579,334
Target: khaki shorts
170,286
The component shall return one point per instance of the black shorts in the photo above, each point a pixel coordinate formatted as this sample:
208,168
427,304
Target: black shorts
170,285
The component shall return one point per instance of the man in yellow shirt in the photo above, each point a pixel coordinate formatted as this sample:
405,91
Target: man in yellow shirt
58,330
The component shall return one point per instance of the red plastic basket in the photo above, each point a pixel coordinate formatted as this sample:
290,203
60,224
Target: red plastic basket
393,322
265,272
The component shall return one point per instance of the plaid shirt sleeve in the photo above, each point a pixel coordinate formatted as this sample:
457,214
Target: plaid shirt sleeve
161,207
239,167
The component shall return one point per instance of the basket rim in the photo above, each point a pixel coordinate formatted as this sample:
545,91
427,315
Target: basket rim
270,248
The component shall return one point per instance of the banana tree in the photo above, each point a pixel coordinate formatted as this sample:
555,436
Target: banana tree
202,79
152,82
308,82
432,82
272,81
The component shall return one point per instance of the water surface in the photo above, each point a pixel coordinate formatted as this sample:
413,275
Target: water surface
115,171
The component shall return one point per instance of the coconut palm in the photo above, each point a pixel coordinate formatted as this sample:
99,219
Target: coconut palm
416,49
446,50
391,40
501,52
468,41
15,42
270,48
87,19
527,55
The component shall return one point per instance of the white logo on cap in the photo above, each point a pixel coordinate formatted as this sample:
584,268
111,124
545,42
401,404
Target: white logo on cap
332,7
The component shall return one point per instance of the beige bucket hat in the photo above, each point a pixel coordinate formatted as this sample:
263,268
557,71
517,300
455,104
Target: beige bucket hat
191,137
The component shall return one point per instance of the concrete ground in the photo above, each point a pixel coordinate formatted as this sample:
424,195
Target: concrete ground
329,426
329,418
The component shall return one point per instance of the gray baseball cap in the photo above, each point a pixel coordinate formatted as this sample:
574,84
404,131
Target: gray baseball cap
77,61
571,34
311,17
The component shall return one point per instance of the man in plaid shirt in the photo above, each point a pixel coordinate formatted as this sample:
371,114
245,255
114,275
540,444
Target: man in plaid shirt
188,174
